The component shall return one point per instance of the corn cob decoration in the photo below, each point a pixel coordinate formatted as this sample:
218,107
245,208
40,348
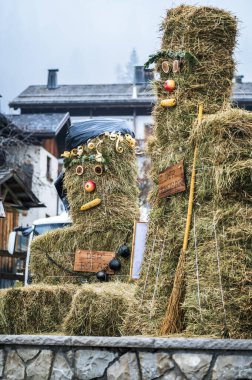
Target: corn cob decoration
90,204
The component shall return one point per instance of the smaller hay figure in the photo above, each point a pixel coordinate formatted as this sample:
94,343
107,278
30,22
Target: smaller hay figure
99,185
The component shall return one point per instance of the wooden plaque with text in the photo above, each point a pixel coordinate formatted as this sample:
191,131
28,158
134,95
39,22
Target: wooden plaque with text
171,180
92,261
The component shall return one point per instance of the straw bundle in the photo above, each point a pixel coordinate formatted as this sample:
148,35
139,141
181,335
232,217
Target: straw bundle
35,309
218,268
99,310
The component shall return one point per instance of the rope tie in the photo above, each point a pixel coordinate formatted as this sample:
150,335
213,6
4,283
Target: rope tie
149,264
217,249
157,277
197,264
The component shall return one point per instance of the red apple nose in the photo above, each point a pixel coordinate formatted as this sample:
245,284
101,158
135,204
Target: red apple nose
89,186
169,85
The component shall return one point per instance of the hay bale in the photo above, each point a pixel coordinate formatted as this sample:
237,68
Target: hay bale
35,309
3,320
224,161
209,35
99,310
105,227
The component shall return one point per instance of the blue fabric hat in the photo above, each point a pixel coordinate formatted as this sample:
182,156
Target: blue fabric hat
80,133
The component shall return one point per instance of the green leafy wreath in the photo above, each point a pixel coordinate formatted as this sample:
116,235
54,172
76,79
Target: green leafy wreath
192,60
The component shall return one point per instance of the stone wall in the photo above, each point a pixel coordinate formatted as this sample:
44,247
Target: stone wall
64,358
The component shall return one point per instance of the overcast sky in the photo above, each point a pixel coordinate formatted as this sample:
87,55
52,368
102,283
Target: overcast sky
87,39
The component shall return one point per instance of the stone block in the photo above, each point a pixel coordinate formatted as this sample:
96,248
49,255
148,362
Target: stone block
39,368
172,376
90,364
194,366
154,364
1,362
126,368
14,367
27,353
230,367
61,370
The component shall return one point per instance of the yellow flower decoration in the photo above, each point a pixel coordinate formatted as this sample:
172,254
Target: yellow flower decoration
66,154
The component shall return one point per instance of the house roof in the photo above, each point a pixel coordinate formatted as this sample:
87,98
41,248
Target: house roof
84,94
11,132
15,192
103,94
242,92
40,125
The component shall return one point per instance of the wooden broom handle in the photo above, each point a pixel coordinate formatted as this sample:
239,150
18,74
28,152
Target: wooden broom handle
192,186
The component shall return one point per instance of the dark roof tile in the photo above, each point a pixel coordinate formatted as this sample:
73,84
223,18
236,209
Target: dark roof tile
40,124
102,94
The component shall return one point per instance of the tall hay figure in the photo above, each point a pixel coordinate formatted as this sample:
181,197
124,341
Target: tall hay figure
196,60
100,183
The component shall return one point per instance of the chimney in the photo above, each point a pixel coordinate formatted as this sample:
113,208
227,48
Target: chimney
52,79
238,78
138,75
148,75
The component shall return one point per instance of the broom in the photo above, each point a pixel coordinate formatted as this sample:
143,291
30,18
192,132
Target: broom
172,321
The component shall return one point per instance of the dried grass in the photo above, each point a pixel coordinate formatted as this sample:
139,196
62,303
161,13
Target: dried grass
99,310
34,309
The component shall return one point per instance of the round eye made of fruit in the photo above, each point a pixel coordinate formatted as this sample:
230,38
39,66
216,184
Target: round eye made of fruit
165,67
79,170
99,169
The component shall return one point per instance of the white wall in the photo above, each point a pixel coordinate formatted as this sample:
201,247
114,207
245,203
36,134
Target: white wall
42,187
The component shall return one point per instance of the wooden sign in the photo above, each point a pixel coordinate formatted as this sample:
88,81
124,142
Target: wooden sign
171,180
92,261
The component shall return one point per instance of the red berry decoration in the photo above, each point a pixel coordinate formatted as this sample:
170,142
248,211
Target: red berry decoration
169,85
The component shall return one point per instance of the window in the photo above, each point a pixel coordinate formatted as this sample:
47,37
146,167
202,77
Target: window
148,130
48,168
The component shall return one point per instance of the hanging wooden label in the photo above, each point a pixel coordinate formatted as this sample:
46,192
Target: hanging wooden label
92,261
171,180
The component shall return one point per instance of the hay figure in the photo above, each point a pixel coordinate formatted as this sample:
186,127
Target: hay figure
215,299
101,187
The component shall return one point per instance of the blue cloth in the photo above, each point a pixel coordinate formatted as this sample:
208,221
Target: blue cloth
79,133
